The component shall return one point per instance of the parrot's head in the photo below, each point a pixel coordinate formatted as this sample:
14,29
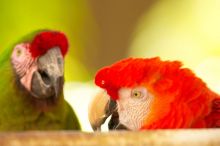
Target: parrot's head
38,64
144,89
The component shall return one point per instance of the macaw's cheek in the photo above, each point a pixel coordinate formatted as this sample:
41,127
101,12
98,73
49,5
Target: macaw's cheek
132,118
27,78
135,108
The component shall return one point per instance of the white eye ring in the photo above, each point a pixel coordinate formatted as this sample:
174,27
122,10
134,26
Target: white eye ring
140,92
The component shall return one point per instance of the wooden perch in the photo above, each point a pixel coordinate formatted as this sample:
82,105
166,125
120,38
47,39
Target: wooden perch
204,137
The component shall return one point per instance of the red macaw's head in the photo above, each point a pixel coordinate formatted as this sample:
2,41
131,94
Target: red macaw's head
151,93
39,64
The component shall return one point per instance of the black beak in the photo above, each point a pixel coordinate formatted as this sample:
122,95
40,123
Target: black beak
108,110
121,127
114,123
98,113
48,80
111,110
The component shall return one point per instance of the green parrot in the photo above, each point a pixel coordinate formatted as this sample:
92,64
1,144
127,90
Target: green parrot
31,84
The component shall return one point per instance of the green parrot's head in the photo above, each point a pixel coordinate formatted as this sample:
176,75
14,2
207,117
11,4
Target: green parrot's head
39,64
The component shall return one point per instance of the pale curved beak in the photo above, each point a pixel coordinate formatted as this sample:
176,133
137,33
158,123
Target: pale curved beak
48,80
100,109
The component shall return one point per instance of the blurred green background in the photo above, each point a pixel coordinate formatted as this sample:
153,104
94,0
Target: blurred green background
101,32
20,17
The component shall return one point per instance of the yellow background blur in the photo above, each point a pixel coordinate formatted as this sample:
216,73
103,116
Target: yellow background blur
20,17
101,32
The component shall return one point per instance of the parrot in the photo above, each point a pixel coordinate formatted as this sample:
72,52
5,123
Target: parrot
150,93
32,80
94,112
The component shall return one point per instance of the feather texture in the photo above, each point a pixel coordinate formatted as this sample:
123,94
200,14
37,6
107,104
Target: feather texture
46,40
20,110
181,99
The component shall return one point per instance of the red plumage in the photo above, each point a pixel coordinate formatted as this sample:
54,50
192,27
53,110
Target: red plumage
45,40
187,100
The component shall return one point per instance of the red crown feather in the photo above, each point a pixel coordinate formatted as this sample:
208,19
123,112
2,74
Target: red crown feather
165,75
47,40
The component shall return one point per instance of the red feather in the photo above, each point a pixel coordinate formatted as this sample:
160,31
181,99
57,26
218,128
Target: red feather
213,119
182,100
46,40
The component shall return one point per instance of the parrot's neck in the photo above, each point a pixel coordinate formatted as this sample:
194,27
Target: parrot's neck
17,106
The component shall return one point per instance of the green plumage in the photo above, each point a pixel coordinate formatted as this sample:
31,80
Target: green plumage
19,111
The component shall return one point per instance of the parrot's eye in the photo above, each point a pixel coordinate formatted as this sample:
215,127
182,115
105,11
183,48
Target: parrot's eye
138,93
18,52
59,60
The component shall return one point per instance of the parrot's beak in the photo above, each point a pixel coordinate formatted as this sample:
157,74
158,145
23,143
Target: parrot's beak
48,80
114,123
121,127
101,107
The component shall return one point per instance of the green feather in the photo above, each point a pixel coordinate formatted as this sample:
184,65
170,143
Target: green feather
20,111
